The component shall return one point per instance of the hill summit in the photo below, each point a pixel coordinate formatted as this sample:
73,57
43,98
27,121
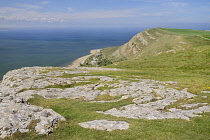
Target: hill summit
150,43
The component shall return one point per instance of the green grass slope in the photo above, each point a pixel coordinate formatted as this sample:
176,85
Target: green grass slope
205,34
189,65
177,51
153,42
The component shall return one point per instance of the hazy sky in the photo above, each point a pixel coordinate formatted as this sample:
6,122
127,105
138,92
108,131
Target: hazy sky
103,13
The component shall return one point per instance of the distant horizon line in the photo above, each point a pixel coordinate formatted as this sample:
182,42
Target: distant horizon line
5,28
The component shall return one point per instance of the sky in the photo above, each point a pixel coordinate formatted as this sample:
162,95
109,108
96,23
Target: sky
104,13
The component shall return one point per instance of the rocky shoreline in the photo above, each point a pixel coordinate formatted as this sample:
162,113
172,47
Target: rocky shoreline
150,98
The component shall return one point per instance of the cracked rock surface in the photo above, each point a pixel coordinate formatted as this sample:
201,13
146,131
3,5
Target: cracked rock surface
105,125
149,97
17,115
17,86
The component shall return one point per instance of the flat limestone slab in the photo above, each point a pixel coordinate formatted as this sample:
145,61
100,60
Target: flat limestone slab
105,125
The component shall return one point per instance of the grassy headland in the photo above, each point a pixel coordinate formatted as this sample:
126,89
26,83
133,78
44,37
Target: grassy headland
165,55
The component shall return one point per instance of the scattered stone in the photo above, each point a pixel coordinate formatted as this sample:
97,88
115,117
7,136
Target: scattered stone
143,99
99,68
141,38
102,78
75,72
56,93
105,125
151,37
182,42
193,105
18,117
150,98
204,96
205,91
150,107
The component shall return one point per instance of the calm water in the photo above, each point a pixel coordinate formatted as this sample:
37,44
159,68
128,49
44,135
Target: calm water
55,47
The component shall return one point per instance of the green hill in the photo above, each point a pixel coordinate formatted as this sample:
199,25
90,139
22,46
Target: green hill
166,49
153,42
160,43
163,54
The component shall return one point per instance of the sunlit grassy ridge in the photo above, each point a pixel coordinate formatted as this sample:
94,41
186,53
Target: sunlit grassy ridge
205,34
189,64
155,41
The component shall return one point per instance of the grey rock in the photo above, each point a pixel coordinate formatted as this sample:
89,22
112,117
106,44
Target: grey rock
105,125
143,99
193,105
56,93
149,99
99,68
23,130
16,116
144,108
205,91
102,78
204,96
76,72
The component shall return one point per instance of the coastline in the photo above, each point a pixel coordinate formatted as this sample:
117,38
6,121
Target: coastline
76,63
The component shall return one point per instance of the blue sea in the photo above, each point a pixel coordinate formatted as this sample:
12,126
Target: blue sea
25,47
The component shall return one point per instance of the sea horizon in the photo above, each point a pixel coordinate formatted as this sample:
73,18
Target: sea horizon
26,47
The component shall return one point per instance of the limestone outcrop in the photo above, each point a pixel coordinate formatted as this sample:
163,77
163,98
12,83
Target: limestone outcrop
150,98
105,125
16,114
17,86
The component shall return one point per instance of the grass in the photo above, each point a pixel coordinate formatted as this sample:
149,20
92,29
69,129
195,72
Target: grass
105,87
65,75
107,97
196,99
76,111
33,124
205,34
189,67
164,40
22,90
187,79
68,85
63,86
108,53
